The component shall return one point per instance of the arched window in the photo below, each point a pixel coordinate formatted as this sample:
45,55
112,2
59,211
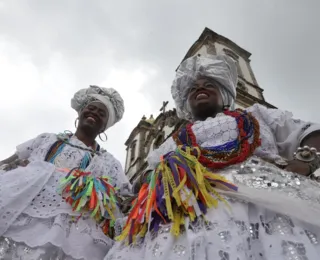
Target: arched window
159,140
235,58
133,151
242,86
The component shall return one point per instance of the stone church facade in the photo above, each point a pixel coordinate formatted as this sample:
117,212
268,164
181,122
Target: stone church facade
150,133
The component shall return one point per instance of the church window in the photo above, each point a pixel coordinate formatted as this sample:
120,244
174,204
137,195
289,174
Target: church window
235,58
159,140
242,86
133,151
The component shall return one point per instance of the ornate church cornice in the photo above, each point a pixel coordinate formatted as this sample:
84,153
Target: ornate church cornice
142,126
208,36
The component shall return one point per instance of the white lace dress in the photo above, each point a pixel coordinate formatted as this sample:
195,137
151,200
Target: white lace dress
275,214
35,222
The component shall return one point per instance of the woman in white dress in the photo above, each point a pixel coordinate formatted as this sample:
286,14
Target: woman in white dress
36,222
245,160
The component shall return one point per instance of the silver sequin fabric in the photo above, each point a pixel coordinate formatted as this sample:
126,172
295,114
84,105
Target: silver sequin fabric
246,232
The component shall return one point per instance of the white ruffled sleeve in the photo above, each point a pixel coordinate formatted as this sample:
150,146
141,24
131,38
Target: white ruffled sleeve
288,132
24,150
154,156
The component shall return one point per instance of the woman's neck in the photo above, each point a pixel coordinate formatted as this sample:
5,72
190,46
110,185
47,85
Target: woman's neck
85,138
206,113
205,117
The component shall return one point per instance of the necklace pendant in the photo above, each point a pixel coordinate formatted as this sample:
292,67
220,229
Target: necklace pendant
63,137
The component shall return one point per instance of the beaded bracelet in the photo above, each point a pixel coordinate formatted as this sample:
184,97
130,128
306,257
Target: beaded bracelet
309,155
13,165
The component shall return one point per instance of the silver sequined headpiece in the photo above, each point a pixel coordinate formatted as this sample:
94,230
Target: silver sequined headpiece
220,68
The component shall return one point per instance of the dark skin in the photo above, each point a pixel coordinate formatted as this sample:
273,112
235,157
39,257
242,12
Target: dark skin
205,99
208,105
92,121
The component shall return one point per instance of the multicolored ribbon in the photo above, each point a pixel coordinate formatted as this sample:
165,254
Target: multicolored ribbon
88,194
179,187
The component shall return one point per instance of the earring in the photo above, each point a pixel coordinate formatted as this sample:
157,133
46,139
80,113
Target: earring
106,138
226,108
68,133
76,123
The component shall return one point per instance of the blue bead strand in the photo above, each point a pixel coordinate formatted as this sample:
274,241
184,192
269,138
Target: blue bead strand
59,150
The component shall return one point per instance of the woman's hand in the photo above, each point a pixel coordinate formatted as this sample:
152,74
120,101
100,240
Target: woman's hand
15,164
298,167
125,203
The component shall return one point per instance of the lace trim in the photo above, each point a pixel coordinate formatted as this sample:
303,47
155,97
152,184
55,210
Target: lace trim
77,238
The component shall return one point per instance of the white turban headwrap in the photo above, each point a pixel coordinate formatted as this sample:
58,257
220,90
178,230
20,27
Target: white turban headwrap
107,96
220,68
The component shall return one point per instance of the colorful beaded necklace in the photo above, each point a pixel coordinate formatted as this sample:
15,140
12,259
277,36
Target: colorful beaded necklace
232,152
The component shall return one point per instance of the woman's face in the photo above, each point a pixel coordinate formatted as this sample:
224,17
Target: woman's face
204,98
94,117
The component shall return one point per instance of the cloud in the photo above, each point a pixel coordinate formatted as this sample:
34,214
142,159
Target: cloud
130,85
48,50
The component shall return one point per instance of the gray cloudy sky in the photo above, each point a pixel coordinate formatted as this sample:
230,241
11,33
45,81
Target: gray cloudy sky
50,49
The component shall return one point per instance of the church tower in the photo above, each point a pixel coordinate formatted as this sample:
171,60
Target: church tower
150,133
